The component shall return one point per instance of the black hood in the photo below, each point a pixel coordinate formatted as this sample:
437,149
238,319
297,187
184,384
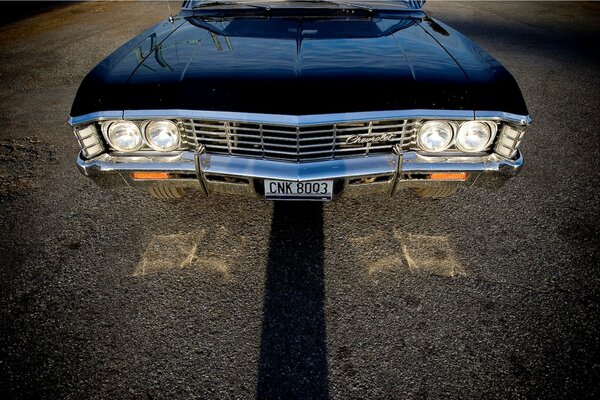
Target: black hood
297,66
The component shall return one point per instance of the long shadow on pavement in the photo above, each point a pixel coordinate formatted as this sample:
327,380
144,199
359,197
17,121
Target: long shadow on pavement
293,355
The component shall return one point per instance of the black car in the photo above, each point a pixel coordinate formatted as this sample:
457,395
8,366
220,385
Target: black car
299,100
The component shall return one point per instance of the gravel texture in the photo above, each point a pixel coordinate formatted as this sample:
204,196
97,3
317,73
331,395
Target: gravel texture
111,294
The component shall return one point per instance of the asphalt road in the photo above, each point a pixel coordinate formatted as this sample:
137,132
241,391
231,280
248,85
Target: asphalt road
111,294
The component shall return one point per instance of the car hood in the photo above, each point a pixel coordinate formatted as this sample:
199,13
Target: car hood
298,66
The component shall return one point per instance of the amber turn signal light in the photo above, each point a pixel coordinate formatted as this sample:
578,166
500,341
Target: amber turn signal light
150,175
449,176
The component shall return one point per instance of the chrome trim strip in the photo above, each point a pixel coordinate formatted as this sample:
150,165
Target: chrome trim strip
298,120
180,163
341,168
414,162
95,116
302,120
503,116
275,119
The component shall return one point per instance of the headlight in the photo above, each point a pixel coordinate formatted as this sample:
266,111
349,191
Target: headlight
162,135
435,136
125,136
473,136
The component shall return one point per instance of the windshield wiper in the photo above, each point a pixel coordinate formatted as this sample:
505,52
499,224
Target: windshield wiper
338,3
231,3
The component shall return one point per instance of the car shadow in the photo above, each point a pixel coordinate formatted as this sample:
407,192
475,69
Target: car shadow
293,353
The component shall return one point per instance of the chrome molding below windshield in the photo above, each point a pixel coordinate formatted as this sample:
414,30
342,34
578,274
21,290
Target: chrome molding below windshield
411,5
302,120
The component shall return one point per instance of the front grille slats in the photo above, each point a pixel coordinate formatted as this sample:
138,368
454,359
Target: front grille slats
300,143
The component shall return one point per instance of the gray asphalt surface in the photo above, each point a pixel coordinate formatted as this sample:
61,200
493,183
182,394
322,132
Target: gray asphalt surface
111,294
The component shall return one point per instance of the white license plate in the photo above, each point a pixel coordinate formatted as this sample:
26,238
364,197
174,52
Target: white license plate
288,190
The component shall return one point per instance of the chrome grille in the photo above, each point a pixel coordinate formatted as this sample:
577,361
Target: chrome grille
300,143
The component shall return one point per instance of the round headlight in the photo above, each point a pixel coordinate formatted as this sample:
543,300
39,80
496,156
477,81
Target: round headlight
125,136
162,135
473,136
435,136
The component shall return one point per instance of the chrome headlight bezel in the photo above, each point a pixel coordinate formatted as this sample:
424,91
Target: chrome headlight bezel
141,126
108,130
461,135
149,125
456,144
429,125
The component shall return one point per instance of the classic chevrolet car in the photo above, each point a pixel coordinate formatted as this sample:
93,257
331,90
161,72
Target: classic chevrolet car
299,100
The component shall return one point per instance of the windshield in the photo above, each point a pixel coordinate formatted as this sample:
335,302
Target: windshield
404,4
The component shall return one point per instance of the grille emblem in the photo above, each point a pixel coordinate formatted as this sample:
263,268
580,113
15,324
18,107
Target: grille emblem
370,139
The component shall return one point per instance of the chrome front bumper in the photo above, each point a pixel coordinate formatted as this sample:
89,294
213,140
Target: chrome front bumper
211,173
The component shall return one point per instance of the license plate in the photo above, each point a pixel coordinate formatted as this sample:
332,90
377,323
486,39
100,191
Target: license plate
289,190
